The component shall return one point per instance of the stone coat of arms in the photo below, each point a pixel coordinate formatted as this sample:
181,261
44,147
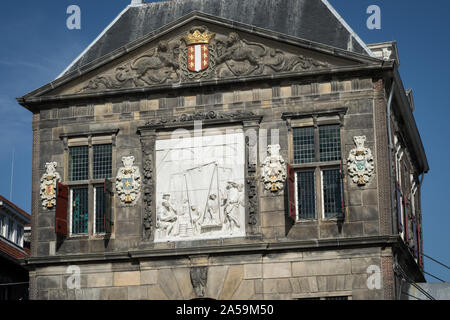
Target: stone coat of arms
128,182
273,170
199,55
48,185
360,162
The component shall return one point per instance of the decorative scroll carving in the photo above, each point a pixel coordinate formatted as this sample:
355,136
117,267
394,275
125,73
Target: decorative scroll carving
128,182
273,172
199,278
201,54
48,185
210,115
360,162
147,152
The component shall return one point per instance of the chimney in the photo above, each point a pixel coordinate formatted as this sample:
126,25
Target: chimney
135,3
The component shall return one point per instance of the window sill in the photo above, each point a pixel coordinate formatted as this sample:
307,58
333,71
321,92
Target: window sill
306,221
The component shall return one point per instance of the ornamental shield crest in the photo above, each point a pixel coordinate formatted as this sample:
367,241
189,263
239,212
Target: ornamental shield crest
48,185
273,170
128,182
198,57
360,162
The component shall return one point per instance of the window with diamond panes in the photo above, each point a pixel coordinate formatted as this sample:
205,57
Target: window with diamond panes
304,145
78,163
80,213
102,168
332,200
306,195
330,143
100,209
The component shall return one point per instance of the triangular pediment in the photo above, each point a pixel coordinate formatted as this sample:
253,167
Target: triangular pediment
202,48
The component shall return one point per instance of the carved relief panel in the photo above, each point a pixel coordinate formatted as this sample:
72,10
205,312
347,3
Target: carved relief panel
200,187
200,54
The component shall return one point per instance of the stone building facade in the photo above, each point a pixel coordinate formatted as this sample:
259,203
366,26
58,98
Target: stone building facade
204,157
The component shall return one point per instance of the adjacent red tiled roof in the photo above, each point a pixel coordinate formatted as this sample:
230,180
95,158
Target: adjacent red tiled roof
12,250
20,211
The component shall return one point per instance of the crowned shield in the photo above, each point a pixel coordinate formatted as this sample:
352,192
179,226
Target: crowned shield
199,54
128,182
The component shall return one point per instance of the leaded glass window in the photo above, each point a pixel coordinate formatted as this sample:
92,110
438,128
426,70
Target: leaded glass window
330,143
100,209
102,168
331,180
306,195
304,145
78,163
317,160
80,210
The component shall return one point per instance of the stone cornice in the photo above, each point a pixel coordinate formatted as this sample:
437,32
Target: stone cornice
233,249
34,103
207,118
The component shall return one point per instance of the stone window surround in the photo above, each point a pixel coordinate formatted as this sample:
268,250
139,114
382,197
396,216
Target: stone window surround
150,133
315,119
88,138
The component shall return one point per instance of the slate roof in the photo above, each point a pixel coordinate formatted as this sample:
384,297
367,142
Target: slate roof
313,20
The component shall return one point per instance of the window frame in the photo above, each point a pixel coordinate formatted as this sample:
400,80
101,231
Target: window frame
315,120
89,140
2,225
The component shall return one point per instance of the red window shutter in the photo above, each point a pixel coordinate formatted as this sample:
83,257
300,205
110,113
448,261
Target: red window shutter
109,196
291,193
62,202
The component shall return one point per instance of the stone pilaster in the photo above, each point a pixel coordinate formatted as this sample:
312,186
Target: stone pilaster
253,219
148,139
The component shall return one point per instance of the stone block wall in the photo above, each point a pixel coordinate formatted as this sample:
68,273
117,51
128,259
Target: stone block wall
280,275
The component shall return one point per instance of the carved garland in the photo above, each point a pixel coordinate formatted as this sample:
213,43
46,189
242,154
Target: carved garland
147,151
199,116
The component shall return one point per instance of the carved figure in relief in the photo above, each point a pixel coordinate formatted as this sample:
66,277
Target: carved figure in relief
232,200
159,66
167,216
211,216
242,57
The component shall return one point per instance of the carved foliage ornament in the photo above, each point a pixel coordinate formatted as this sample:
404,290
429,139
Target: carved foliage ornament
48,185
201,116
273,170
128,182
360,162
201,54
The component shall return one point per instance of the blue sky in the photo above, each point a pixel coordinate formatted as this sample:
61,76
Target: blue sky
36,46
